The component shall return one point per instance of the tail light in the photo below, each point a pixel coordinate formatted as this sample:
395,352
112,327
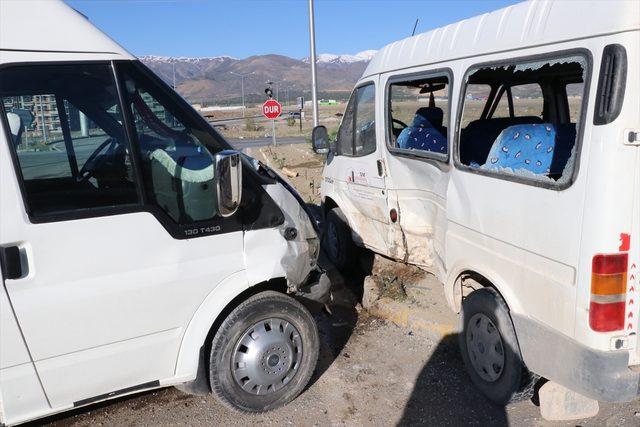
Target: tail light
608,292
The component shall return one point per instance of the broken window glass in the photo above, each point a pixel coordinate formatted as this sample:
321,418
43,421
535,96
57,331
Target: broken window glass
521,118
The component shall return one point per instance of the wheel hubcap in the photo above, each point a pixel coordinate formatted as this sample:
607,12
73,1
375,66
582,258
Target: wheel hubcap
267,356
485,348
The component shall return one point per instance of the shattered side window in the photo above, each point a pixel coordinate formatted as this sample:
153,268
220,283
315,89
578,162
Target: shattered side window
526,124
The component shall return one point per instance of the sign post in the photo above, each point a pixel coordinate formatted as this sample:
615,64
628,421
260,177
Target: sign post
300,101
272,109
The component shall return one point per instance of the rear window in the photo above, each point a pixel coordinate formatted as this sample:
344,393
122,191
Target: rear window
520,119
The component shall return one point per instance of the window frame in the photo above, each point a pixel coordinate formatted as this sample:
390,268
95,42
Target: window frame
355,118
418,154
178,231
581,123
78,213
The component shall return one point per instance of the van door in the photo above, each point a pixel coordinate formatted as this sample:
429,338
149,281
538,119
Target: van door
417,133
21,394
359,171
108,280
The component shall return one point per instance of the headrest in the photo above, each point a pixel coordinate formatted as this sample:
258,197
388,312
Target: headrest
15,125
434,115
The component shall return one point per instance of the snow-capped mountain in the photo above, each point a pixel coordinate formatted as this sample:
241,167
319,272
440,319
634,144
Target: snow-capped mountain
329,58
218,77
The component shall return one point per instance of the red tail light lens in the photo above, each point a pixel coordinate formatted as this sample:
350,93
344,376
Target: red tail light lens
610,264
608,292
607,317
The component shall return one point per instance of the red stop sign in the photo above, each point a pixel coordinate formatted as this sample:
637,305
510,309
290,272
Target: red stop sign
271,109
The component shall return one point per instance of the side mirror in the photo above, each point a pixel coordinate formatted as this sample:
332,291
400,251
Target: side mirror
228,178
320,140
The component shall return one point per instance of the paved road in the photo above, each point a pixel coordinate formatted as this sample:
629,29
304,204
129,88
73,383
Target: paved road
54,163
252,143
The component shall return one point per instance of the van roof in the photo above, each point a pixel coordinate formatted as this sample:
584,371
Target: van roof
526,24
51,26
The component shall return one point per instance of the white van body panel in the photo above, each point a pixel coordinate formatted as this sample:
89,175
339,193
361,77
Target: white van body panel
535,245
77,36
526,24
93,331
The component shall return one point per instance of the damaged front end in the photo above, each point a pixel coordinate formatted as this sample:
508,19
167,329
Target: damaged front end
289,248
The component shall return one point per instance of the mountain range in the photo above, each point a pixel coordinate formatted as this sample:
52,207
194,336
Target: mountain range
216,80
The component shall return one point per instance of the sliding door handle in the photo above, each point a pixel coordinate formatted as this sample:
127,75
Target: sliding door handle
11,263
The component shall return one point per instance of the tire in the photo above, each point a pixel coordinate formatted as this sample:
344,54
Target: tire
490,349
337,239
283,335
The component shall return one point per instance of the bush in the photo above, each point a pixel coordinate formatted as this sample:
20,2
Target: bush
250,125
291,121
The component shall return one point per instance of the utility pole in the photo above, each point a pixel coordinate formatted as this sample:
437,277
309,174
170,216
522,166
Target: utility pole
314,83
242,76
174,74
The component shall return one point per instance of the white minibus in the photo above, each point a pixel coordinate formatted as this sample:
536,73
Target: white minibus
502,153
138,250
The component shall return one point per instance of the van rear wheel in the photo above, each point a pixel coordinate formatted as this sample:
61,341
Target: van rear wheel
337,238
490,349
264,353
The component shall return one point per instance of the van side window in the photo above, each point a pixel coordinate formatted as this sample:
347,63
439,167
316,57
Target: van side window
176,151
66,129
357,133
418,115
535,138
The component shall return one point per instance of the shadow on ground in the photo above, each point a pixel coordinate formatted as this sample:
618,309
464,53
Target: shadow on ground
444,394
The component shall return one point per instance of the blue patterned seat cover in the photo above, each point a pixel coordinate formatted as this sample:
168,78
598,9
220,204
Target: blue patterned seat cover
421,135
527,147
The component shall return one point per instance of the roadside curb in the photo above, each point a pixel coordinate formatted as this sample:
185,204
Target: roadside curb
417,320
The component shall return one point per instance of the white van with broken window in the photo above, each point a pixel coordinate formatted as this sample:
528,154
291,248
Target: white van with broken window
138,249
502,153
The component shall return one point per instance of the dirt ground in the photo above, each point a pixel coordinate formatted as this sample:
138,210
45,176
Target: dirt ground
370,371
301,160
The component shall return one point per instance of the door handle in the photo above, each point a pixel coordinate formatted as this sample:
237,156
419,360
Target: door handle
11,264
380,168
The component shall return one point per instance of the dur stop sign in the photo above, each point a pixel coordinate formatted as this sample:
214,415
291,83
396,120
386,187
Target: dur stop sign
271,109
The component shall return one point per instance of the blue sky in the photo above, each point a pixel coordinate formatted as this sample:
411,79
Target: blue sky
242,28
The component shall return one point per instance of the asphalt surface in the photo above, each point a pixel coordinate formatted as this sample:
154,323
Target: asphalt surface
55,162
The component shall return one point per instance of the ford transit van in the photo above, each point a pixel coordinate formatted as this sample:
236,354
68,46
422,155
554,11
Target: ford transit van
138,249
502,153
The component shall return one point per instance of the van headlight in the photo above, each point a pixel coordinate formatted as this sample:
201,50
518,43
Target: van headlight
314,249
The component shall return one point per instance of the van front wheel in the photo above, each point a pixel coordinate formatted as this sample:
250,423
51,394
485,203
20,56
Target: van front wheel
264,353
337,238
490,349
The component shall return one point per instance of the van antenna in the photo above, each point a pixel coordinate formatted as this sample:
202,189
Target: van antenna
413,33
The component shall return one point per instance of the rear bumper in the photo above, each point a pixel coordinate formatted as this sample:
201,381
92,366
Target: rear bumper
600,375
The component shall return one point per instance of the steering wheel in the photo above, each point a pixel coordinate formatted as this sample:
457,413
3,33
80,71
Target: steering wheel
396,130
91,165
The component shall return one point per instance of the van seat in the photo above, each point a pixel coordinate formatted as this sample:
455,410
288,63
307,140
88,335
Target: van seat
423,134
538,148
480,135
183,183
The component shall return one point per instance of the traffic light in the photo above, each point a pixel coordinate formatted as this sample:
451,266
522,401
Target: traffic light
269,92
